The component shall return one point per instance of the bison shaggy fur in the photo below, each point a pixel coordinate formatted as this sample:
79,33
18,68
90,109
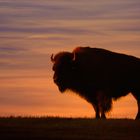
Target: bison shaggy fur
98,75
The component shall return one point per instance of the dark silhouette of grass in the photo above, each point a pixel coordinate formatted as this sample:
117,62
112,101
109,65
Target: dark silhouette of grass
55,128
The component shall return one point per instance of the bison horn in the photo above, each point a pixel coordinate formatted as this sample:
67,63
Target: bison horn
52,58
74,57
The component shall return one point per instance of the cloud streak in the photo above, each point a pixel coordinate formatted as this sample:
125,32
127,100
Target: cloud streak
71,10
49,30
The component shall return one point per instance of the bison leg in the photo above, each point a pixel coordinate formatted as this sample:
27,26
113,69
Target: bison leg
137,97
103,115
102,110
97,112
138,114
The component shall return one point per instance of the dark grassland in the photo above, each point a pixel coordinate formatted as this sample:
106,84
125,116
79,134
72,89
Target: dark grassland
49,128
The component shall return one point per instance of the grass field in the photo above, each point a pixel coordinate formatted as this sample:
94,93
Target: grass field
49,128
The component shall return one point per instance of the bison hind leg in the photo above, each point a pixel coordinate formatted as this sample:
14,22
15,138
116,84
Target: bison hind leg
136,94
138,114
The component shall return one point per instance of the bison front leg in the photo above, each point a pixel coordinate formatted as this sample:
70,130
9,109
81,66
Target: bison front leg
101,110
103,116
97,111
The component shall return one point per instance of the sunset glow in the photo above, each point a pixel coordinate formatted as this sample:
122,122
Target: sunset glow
31,30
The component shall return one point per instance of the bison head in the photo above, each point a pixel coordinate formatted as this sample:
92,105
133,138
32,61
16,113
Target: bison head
63,67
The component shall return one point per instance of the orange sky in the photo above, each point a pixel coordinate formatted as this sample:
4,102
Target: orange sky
30,31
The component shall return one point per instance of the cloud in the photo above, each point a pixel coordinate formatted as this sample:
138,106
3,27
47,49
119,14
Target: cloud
21,97
26,61
16,16
11,49
97,9
48,30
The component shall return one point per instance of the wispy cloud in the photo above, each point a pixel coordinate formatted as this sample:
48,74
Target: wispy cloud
71,10
49,30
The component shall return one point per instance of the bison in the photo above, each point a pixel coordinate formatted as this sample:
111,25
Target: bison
98,75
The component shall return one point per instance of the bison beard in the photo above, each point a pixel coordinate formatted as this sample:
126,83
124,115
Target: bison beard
98,75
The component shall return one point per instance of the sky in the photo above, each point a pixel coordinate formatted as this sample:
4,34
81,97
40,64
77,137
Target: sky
31,30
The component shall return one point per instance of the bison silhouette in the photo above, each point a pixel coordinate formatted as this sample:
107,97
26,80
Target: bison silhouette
98,75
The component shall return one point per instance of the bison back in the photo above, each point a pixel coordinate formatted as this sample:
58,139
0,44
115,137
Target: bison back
106,69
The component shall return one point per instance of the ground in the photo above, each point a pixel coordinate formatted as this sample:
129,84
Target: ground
50,128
